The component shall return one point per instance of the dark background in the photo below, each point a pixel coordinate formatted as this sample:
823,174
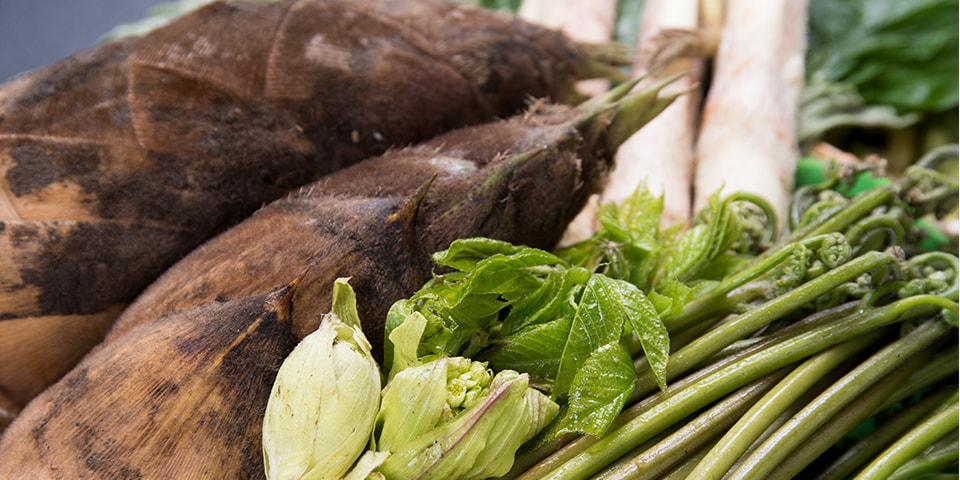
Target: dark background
34,33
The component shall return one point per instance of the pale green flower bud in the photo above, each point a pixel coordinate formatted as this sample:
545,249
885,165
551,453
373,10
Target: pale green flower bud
479,443
324,402
456,390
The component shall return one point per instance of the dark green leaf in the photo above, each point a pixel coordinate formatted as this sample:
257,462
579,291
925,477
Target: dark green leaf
535,350
599,320
599,390
894,52
643,320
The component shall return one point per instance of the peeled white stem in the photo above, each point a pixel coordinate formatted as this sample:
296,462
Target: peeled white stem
582,20
748,135
661,153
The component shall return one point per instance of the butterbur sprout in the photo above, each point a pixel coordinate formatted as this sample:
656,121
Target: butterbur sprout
330,380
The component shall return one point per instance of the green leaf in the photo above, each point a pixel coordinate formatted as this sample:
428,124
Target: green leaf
715,233
644,321
629,243
634,220
464,254
598,320
599,391
896,53
671,297
462,307
501,274
345,303
398,313
535,350
554,299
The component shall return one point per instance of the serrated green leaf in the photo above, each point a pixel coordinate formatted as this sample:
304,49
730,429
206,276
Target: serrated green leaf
717,230
554,299
643,320
464,254
599,390
635,219
629,244
535,350
599,320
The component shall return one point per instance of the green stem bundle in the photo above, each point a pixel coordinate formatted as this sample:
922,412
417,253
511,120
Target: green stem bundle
753,424
682,403
915,441
864,450
799,429
670,451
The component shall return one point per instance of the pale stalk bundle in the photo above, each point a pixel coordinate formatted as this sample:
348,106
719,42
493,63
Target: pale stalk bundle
661,155
582,20
118,161
748,136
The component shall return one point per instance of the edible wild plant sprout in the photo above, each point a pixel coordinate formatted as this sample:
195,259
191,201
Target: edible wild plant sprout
525,309
444,418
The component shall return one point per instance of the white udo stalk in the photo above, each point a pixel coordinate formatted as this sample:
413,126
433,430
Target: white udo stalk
748,137
582,20
661,155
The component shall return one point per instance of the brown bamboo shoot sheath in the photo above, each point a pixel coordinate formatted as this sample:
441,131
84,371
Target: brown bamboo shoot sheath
368,222
118,161
179,387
